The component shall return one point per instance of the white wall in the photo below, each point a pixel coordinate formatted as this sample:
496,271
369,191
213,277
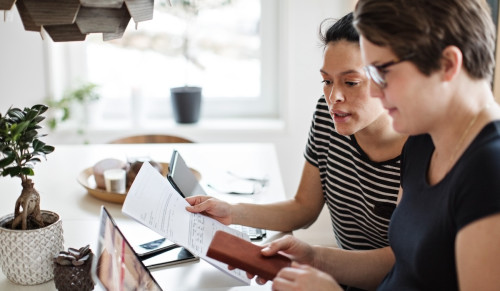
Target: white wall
22,70
22,66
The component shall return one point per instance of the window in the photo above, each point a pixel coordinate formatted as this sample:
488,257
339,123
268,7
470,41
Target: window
232,55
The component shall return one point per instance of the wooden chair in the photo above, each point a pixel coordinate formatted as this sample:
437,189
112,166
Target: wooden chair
151,138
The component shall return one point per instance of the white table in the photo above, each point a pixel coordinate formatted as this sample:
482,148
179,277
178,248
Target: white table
55,180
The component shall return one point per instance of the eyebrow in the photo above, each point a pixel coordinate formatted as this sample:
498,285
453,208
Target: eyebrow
342,73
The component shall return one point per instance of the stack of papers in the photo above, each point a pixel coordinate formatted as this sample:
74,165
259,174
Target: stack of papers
154,202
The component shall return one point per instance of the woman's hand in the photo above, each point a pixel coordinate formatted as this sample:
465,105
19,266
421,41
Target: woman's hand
211,207
303,277
291,247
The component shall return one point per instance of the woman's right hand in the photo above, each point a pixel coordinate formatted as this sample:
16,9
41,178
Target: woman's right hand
211,207
291,247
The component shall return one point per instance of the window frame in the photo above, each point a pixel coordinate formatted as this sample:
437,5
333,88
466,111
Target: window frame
67,67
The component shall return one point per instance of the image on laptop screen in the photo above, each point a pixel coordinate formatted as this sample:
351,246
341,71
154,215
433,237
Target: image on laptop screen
117,266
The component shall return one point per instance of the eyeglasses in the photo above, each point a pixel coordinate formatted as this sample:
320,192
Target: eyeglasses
377,73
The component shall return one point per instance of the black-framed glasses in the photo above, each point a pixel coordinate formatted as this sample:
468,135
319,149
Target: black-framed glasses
377,72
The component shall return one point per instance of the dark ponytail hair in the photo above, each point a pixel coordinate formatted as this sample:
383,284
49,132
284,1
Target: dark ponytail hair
342,29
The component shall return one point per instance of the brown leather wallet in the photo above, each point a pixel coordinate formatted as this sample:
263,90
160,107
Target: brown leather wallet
245,255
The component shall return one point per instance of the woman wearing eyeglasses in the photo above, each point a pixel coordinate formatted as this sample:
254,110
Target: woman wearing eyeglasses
432,62
352,158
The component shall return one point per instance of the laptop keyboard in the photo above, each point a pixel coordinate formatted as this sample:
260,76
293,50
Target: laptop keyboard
253,233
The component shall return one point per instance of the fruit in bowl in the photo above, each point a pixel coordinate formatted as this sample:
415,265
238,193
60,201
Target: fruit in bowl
134,168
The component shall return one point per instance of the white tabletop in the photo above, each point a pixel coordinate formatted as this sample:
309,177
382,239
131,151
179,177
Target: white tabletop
55,180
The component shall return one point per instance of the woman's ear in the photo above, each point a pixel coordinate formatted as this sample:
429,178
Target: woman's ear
451,62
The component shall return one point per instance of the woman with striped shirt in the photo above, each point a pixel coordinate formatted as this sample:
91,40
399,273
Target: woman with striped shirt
352,158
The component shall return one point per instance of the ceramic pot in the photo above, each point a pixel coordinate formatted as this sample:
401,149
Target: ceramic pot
26,255
186,104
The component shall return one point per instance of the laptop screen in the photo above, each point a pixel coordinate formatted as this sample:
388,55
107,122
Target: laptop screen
117,266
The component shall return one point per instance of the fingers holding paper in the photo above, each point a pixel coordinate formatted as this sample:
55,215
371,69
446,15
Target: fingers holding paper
211,207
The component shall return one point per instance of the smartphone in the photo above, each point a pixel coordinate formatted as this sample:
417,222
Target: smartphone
154,247
169,258
181,177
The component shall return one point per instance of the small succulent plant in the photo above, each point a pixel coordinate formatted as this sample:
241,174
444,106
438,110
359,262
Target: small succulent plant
72,270
73,257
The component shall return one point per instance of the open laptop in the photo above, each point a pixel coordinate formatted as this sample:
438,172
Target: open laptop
185,182
117,266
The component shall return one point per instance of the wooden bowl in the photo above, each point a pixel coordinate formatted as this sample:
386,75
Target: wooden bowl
86,179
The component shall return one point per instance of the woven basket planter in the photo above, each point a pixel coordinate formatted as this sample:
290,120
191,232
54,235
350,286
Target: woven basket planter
26,255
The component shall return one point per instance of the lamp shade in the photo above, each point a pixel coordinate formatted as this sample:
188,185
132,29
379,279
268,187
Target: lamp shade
72,20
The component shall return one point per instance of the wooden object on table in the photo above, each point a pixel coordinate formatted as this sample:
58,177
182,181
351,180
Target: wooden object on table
245,255
151,138
86,179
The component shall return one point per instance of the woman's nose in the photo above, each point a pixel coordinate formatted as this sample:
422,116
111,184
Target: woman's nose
336,96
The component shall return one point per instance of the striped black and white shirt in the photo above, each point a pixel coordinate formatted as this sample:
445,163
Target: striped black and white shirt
360,194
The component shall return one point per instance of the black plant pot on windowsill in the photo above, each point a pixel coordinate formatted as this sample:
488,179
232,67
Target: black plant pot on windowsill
186,104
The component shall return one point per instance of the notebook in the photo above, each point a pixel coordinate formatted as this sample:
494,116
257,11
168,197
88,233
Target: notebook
117,266
245,255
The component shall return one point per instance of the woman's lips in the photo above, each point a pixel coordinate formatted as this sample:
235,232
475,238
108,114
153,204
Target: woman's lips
391,110
339,116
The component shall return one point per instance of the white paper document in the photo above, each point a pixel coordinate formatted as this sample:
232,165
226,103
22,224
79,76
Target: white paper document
153,202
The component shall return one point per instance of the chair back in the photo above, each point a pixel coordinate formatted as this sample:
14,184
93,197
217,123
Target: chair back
151,138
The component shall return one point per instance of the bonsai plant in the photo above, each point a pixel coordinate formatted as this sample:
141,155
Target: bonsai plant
21,149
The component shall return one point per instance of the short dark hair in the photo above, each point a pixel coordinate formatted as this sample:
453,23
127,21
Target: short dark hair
423,28
341,29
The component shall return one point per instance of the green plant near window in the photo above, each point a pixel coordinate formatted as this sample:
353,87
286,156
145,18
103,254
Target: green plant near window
62,109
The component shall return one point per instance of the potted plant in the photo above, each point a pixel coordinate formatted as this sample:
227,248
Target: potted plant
186,100
29,237
73,100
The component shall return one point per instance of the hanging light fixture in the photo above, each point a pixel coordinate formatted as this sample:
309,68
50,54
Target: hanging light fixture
72,20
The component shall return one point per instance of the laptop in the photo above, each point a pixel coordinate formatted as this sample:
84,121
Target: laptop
117,266
185,182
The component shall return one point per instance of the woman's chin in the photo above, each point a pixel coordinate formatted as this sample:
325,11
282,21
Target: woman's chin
344,130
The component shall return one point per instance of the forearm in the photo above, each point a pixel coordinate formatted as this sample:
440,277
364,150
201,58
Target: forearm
280,216
362,269
288,215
